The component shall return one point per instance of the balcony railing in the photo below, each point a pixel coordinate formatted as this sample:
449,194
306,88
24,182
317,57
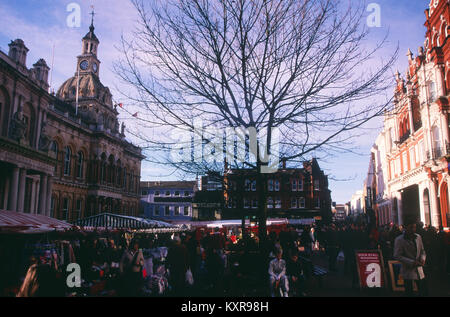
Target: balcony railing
438,152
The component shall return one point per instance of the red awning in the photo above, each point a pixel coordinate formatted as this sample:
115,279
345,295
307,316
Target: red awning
11,221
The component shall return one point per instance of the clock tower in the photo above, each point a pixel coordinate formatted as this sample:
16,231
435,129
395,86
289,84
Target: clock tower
88,61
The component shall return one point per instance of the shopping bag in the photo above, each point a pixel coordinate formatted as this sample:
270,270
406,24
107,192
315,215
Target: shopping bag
189,277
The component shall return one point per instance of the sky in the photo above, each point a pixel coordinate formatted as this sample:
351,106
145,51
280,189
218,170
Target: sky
42,24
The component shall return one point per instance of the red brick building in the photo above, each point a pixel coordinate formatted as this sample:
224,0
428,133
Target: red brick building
291,193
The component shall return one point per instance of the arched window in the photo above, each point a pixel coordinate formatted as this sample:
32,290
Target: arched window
119,174
436,141
54,148
80,162
432,92
103,169
125,177
67,161
111,168
65,209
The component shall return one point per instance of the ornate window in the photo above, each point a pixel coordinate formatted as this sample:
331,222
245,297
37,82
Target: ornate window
80,163
65,209
78,209
67,161
432,91
54,148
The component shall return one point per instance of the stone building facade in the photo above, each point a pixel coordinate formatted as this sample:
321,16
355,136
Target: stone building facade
57,158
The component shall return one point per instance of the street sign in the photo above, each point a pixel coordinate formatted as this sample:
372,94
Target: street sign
371,271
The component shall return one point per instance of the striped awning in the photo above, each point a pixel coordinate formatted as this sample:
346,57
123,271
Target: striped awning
17,222
113,221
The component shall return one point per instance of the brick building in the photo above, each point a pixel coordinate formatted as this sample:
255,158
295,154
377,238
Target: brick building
208,199
412,152
291,193
58,159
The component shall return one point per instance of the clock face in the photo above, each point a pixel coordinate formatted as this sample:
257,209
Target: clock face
94,67
84,65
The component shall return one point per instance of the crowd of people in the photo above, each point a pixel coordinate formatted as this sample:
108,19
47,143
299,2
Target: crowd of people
344,238
217,263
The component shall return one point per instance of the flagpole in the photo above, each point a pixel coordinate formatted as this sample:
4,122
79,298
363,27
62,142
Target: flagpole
78,86
51,72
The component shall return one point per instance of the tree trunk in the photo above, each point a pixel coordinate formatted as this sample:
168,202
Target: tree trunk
261,183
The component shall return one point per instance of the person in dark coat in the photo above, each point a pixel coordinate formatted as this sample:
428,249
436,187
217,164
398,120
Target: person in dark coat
307,241
294,272
332,247
178,263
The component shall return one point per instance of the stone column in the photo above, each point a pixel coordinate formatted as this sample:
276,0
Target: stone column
22,187
12,203
434,204
43,195
445,136
6,193
49,195
400,208
33,197
411,119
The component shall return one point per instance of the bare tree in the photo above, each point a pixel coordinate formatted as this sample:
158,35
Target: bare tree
301,69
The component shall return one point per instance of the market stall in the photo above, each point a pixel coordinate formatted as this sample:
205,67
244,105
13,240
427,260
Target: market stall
30,238
109,221
17,222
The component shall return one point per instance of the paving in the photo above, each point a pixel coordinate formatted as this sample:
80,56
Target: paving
338,284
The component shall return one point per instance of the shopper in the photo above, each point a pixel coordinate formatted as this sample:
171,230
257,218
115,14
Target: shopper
409,250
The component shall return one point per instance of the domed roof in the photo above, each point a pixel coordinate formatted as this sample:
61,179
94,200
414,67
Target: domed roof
90,87
91,35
